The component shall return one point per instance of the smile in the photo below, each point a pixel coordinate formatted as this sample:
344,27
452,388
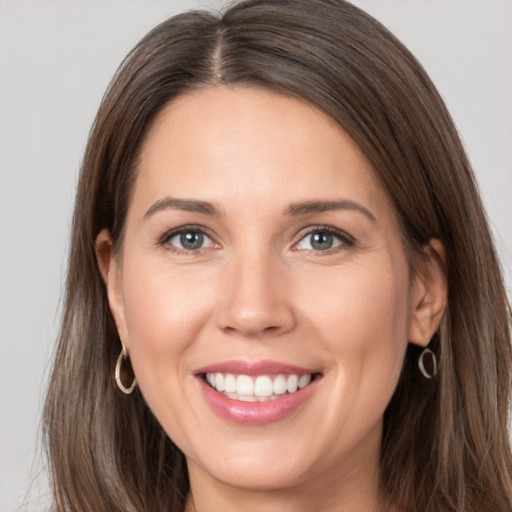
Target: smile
256,393
259,388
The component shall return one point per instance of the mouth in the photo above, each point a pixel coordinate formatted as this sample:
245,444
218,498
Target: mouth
257,388
256,393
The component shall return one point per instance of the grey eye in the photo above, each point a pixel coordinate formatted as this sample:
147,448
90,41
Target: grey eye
322,240
190,240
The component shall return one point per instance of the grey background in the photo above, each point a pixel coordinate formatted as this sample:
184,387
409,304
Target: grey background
56,59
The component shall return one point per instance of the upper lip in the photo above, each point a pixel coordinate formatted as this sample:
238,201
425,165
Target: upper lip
246,367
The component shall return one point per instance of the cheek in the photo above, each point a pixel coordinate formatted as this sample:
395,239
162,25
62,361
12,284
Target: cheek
362,316
165,312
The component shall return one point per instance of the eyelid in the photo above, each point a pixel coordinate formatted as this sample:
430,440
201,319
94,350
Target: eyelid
164,239
346,239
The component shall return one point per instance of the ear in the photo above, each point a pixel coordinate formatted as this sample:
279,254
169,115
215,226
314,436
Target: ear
110,269
429,294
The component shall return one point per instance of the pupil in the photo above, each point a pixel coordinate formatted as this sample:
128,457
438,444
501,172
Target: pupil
321,241
191,240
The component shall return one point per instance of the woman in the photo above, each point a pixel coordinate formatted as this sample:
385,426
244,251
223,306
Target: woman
282,292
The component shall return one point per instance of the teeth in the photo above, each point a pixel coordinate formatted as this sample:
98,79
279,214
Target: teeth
219,382
263,386
254,389
292,383
304,380
279,387
229,383
245,398
244,385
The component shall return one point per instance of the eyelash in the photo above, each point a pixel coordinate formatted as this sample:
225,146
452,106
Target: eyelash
346,240
169,235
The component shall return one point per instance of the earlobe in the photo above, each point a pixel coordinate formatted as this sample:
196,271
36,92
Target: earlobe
110,272
428,294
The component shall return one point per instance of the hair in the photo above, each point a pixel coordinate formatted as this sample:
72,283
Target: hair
445,443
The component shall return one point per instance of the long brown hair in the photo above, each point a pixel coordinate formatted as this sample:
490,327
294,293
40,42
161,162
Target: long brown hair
445,443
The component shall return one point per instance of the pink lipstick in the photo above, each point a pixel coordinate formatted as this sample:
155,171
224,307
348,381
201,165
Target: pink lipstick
255,393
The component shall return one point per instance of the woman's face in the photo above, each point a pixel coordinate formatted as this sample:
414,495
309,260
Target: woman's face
261,256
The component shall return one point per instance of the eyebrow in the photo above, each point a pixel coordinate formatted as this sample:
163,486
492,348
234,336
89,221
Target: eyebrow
307,207
187,205
295,209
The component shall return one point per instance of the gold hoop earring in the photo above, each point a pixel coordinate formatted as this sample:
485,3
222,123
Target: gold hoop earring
421,364
123,356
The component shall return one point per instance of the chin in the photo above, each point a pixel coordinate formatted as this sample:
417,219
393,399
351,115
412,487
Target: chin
258,473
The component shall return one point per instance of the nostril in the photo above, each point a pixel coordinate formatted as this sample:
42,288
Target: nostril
253,330
251,314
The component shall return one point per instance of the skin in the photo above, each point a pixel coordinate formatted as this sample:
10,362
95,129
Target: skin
258,290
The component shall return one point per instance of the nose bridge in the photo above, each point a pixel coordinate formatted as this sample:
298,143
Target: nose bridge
255,300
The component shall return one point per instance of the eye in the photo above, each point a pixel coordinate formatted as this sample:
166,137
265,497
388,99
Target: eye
187,239
323,239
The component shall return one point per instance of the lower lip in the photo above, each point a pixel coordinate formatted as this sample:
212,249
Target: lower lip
256,413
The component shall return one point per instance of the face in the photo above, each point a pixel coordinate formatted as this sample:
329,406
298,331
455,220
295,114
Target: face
262,290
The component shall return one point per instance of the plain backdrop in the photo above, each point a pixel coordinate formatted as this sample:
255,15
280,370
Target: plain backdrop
56,59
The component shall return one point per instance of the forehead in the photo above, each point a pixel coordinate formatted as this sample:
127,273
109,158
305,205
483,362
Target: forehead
247,146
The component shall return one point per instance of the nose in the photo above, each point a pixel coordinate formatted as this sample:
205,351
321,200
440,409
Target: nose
257,300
